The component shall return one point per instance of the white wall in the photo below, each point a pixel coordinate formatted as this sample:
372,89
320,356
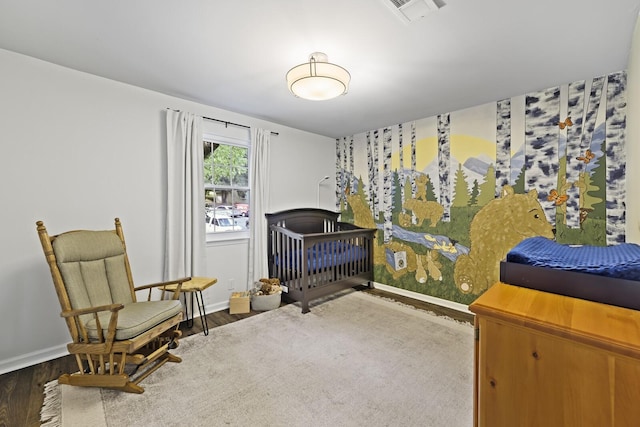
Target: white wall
633,139
78,150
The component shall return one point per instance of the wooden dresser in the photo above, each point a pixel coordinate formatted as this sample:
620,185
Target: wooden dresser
549,360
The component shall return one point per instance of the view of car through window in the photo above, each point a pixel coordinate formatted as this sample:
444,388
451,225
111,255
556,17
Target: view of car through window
229,210
225,218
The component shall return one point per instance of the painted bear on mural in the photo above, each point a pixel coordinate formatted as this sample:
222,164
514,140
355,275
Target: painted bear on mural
495,230
421,207
422,210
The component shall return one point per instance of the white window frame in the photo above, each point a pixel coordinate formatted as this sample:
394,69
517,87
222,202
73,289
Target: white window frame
245,143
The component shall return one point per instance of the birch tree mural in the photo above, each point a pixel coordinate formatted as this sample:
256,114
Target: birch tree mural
370,164
503,144
616,165
414,187
401,172
345,174
387,177
591,113
345,164
542,112
444,165
376,172
586,136
339,179
352,172
573,126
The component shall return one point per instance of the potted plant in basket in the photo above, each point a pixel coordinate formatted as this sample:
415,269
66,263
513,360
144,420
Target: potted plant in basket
266,295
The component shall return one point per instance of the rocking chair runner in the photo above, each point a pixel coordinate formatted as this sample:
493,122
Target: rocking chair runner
109,327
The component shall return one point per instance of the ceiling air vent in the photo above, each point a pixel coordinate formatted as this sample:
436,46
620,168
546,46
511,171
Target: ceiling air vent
412,10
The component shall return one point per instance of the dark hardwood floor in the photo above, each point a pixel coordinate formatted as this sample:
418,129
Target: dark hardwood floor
21,391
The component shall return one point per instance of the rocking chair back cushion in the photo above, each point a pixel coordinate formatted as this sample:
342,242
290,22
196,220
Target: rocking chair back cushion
92,264
93,267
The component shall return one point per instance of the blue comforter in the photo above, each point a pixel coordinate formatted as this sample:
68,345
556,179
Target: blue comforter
620,261
326,255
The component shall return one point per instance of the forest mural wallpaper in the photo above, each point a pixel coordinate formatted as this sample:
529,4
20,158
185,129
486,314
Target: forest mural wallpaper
450,195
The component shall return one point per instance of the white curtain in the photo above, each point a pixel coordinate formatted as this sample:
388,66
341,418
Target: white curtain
184,228
260,152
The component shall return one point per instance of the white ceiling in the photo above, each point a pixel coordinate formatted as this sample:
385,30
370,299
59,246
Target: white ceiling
234,54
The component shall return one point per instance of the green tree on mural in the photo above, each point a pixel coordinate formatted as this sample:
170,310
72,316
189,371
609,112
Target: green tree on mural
475,190
518,186
362,190
596,191
407,187
431,191
461,191
397,193
488,187
589,201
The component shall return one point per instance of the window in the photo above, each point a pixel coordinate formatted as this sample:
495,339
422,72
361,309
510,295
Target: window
226,186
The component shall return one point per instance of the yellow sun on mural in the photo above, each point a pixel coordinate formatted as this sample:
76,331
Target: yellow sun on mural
462,148
465,146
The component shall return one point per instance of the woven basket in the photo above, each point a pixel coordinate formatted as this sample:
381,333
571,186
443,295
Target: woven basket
265,302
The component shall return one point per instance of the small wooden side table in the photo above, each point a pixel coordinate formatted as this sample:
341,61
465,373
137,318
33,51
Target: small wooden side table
195,286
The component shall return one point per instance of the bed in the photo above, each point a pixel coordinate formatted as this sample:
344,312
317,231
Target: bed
609,275
314,255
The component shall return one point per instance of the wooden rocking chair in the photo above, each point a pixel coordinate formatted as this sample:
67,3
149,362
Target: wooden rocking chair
117,341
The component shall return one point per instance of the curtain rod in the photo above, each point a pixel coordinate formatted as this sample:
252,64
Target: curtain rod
226,123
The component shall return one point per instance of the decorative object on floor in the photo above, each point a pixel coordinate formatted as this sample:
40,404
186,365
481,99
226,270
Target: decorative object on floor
318,79
117,340
314,255
239,302
266,295
195,286
355,359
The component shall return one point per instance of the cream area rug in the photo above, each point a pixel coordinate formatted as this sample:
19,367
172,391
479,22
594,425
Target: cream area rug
354,360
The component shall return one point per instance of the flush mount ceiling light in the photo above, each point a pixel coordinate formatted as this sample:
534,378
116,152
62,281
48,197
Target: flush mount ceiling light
318,79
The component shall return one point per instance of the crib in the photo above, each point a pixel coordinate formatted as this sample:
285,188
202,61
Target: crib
315,255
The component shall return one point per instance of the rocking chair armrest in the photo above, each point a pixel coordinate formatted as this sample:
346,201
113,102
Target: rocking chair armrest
89,310
176,290
104,342
170,282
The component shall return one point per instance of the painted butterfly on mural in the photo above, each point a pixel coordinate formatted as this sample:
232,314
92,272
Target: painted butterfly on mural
588,156
567,122
554,196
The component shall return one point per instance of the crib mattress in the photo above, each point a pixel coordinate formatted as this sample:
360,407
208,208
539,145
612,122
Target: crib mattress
620,261
609,275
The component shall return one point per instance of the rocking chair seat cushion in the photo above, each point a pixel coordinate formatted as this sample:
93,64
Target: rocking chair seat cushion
136,318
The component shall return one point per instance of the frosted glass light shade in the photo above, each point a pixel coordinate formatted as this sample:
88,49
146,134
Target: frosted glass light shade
318,80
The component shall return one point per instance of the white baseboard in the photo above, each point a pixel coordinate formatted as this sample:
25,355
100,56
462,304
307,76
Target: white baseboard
422,297
32,358
212,308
